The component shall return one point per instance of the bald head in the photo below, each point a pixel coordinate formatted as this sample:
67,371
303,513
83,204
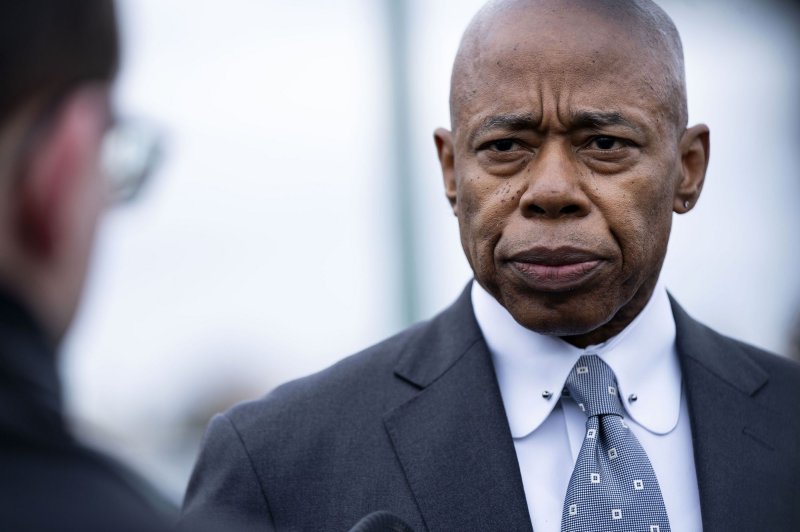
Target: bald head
633,36
569,133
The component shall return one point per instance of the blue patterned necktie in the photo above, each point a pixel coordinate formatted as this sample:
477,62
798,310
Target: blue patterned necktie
613,486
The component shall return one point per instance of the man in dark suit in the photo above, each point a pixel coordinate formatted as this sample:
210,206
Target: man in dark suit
569,154
57,62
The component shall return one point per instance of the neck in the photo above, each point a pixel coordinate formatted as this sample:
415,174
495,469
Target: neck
35,299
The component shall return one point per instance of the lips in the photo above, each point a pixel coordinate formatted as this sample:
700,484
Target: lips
555,269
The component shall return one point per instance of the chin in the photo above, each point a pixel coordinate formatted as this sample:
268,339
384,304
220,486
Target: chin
560,325
569,316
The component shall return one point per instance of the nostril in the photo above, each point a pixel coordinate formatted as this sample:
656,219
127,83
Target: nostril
572,209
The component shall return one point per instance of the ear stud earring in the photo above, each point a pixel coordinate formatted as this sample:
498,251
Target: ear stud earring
686,204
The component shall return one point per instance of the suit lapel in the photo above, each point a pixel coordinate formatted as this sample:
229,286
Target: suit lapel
452,439
732,438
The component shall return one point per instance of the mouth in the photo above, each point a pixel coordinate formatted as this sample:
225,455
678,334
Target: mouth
557,269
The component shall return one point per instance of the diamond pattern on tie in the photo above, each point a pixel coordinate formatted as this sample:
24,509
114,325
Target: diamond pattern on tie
613,487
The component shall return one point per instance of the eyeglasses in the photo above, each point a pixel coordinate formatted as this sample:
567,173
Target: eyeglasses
131,150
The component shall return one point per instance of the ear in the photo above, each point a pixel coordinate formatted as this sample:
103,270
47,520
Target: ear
694,149
444,147
56,167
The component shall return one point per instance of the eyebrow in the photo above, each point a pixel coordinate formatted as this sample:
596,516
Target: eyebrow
599,119
512,122
527,121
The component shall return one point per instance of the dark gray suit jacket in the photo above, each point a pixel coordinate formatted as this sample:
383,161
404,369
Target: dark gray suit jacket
415,425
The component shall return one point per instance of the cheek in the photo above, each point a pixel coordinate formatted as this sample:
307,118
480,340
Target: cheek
641,220
89,207
484,206
94,198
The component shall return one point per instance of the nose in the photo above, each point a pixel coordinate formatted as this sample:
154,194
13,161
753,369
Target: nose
554,189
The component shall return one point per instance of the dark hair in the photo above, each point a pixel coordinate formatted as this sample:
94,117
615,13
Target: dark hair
48,47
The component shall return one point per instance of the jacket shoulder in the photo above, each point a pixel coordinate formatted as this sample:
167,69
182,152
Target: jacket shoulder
783,372
356,387
769,377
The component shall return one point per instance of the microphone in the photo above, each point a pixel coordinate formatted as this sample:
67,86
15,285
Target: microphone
381,521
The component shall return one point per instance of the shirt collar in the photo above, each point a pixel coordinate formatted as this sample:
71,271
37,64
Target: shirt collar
529,365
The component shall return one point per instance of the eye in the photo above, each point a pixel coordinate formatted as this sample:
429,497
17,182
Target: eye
607,143
502,145
504,156
608,154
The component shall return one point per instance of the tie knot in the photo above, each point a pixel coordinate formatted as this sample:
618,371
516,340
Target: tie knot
592,385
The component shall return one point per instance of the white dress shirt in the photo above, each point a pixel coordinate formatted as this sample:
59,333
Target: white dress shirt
548,432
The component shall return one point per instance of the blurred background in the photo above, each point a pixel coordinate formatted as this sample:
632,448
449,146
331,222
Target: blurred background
299,216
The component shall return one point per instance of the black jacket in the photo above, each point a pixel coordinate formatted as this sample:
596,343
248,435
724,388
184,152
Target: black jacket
49,481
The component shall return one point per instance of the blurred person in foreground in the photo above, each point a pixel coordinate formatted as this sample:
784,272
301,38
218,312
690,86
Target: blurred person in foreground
565,389
57,62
